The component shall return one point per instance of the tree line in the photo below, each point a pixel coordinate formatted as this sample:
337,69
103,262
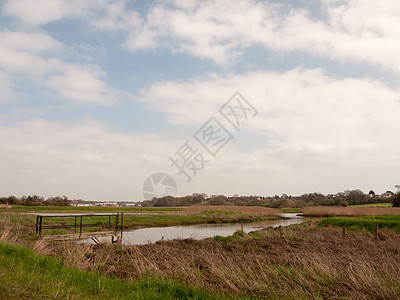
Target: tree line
354,197
35,200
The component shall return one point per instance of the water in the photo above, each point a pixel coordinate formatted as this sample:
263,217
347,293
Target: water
151,235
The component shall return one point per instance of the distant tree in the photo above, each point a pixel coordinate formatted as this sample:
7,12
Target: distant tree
32,200
371,192
57,201
395,199
355,197
218,200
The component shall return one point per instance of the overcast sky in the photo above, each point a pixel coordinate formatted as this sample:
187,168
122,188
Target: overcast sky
97,95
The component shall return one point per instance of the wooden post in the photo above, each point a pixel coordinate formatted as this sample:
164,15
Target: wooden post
80,229
280,231
122,225
116,223
40,225
344,232
37,224
241,226
377,230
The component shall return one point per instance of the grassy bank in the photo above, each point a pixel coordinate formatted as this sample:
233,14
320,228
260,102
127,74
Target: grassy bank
365,222
25,274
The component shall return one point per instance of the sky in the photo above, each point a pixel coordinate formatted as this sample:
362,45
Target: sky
221,97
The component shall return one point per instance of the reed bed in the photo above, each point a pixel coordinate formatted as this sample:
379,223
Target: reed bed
349,211
299,262
251,210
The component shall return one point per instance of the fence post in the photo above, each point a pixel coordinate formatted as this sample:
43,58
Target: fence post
37,224
376,230
40,226
344,232
122,224
80,229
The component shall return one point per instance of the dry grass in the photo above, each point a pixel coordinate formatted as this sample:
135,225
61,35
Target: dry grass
15,228
251,210
299,262
350,211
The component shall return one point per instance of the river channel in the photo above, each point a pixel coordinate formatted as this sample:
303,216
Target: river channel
201,231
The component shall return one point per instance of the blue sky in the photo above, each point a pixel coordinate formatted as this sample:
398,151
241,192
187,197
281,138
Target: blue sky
96,95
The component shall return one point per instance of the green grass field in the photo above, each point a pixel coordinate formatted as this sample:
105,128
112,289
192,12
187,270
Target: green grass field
364,222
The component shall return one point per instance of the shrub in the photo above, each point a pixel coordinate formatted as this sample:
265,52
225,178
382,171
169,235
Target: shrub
396,200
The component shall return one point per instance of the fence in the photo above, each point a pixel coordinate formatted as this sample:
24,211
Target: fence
112,227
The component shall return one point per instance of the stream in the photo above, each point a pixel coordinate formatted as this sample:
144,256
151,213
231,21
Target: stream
200,231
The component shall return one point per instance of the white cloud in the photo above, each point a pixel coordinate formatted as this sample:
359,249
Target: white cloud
105,14
364,31
22,52
221,30
36,55
44,11
6,88
34,42
82,83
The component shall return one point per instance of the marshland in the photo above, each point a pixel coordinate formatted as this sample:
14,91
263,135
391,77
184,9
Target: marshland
333,254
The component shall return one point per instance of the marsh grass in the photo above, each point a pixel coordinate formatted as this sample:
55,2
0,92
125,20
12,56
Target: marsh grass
25,274
327,211
367,222
300,262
